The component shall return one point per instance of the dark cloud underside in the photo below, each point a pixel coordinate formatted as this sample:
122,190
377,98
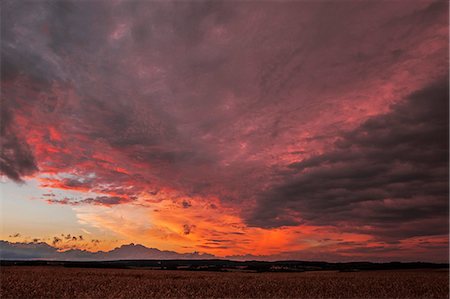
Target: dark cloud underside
388,176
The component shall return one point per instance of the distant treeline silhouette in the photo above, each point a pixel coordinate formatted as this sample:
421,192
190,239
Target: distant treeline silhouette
226,265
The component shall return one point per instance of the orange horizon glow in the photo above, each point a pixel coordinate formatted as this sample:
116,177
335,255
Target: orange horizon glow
286,130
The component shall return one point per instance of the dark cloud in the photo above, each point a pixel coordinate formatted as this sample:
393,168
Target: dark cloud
187,228
387,177
186,204
16,157
159,83
98,200
74,183
106,200
216,99
56,240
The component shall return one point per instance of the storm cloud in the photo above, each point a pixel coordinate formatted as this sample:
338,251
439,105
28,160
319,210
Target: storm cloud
387,177
282,114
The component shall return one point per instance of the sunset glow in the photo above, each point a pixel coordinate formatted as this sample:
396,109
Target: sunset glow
310,130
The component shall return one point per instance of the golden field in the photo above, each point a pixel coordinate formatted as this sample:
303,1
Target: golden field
60,282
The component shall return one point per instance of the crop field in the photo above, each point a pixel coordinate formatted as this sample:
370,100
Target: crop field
60,282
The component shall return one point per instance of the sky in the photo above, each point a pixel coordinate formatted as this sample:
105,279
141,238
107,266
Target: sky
286,129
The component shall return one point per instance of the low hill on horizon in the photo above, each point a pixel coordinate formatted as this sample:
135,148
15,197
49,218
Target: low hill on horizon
44,251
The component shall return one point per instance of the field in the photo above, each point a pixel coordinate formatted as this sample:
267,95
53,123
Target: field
61,282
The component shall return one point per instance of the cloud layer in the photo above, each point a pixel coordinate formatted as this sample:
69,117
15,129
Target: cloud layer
387,177
268,116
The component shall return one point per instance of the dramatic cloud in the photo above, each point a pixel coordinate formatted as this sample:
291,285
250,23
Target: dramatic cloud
271,124
387,177
16,158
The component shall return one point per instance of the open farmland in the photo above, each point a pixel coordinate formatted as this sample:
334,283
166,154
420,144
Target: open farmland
61,282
